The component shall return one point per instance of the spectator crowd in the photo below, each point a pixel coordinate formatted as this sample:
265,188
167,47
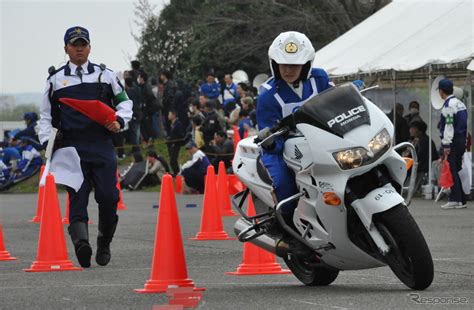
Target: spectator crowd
201,116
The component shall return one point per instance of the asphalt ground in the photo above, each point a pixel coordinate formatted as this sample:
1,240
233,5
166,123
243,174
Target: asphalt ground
449,234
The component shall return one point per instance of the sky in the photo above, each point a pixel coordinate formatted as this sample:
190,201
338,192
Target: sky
32,32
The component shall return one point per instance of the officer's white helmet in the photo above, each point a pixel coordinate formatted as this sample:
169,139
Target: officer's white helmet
292,48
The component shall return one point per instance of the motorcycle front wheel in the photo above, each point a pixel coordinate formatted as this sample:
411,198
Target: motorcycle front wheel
309,274
409,256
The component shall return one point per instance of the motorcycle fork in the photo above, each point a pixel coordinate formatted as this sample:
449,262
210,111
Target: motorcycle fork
371,229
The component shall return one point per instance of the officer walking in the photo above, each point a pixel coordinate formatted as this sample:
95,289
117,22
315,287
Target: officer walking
453,132
80,79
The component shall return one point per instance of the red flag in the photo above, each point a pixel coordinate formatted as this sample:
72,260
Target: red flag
96,110
445,177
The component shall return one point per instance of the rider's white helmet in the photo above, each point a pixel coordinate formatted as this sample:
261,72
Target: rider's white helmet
292,48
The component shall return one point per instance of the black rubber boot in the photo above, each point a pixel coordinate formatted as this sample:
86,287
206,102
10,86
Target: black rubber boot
104,238
80,238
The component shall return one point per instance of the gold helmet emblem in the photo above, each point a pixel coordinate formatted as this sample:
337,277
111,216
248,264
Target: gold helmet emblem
78,30
291,47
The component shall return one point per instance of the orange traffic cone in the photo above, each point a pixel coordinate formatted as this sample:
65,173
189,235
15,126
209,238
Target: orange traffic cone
120,205
235,129
169,263
211,221
65,219
4,254
179,184
52,252
256,261
223,192
39,203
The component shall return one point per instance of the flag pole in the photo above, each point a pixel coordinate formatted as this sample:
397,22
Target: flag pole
48,155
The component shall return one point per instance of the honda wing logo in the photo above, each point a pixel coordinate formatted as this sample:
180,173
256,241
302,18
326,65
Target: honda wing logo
298,154
347,116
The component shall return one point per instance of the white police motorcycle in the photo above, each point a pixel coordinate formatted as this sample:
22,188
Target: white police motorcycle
351,211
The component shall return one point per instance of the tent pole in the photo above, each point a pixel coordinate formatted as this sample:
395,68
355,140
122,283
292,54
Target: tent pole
394,90
470,104
430,81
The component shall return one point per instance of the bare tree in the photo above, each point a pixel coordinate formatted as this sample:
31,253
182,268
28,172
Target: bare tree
235,34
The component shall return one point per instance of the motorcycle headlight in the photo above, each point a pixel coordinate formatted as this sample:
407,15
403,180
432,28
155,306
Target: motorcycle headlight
359,156
351,158
380,143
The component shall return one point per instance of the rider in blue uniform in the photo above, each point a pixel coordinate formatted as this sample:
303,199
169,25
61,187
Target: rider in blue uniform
294,81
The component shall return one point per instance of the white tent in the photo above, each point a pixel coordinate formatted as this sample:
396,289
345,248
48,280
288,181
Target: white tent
403,36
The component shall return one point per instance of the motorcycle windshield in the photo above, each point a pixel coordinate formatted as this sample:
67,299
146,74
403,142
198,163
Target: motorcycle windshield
337,110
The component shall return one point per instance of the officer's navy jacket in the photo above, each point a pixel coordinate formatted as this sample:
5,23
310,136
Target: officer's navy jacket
453,122
96,83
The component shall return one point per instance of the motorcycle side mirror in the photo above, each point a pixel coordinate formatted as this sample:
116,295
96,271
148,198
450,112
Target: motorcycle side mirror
369,88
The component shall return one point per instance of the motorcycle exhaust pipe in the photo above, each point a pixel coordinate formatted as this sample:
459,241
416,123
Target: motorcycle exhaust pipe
275,246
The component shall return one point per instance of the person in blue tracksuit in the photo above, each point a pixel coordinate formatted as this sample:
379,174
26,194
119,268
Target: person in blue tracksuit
10,154
30,161
195,169
30,119
453,133
293,82
211,89
80,79
230,96
4,174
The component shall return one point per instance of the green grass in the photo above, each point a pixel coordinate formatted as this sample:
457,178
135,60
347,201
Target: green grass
31,185
27,186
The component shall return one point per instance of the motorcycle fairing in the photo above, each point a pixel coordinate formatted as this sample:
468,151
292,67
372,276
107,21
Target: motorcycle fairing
337,110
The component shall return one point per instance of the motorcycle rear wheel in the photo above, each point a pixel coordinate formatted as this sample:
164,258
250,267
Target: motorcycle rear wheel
409,257
310,275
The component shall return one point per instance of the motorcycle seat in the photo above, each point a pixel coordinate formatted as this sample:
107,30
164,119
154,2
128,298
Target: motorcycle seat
263,172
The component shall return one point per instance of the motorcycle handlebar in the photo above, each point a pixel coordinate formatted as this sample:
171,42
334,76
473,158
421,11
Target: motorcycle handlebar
281,127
